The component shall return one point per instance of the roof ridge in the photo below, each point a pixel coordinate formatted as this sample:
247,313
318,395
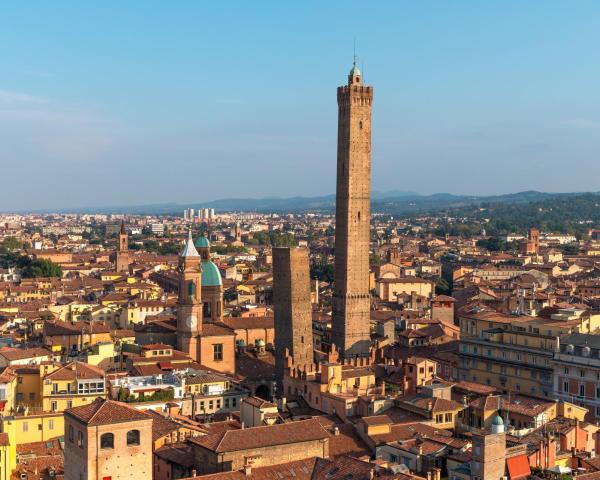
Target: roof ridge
222,438
101,404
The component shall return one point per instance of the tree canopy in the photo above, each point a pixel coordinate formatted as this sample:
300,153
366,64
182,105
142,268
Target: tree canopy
38,268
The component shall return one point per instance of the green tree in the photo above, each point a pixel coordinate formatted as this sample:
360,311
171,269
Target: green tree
375,259
11,244
322,270
493,244
38,268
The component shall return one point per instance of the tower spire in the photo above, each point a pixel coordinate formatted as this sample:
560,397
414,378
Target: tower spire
354,77
189,250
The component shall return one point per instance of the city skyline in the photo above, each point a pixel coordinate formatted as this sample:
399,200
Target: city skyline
488,107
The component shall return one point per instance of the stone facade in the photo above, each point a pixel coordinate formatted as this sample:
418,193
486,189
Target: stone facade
293,311
216,349
88,457
489,456
351,299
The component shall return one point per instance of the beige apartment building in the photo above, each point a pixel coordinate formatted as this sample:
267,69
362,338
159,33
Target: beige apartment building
515,352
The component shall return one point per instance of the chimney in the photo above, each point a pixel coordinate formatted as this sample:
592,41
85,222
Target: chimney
247,470
194,473
336,431
429,475
437,473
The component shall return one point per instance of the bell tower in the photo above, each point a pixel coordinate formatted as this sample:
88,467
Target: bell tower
351,297
122,257
189,303
123,238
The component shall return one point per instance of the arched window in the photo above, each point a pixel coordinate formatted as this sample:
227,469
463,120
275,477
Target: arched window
133,437
107,440
191,289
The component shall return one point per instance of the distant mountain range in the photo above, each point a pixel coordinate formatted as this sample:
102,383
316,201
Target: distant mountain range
392,202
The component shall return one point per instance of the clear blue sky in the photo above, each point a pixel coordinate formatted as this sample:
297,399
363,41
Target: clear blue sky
115,103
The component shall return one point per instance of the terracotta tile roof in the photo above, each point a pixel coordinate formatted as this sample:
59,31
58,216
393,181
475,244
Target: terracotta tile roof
106,412
216,330
76,370
253,368
345,467
297,470
343,439
239,323
13,353
66,328
377,420
433,404
258,402
526,405
473,387
200,378
7,375
161,425
260,437
178,454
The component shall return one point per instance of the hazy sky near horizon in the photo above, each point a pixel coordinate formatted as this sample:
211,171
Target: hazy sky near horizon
129,103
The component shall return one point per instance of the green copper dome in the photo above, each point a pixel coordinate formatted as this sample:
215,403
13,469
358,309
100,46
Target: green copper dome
497,420
202,242
355,71
211,277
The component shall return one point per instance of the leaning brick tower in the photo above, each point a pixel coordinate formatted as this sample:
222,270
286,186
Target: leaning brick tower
351,298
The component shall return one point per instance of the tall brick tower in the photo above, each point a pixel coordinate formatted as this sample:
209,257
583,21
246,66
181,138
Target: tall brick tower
123,238
351,299
293,310
122,257
489,452
189,303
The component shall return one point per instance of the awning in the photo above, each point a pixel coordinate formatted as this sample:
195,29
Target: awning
560,469
518,467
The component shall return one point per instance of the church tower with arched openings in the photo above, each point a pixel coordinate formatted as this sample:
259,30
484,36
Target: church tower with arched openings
189,302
